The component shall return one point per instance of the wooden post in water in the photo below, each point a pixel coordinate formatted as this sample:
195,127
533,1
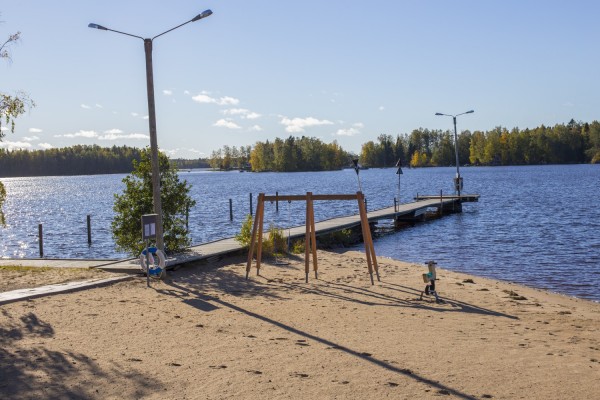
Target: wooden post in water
441,202
230,210
89,229
41,240
187,217
277,202
395,207
250,203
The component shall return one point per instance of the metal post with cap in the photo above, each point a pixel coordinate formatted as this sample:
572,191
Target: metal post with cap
399,172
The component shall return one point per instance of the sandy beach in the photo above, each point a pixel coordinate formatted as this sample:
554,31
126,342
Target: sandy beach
208,333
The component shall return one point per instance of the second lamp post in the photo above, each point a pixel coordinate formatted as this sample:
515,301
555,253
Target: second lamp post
458,180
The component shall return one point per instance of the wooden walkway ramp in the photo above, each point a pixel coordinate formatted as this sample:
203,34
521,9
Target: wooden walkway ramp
218,248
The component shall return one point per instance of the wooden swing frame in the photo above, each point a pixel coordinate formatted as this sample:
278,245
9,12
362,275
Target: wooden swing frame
310,243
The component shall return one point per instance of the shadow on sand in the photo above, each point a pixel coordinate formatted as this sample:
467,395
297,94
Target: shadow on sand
231,283
34,371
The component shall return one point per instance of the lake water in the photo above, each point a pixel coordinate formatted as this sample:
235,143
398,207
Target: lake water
534,225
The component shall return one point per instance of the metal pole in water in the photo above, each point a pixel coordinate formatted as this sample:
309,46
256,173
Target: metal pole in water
89,229
250,203
41,240
277,202
230,210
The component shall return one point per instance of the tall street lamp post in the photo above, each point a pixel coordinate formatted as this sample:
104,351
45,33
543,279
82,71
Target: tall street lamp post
152,120
458,179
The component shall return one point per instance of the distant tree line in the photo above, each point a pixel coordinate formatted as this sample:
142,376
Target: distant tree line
189,164
283,155
228,157
574,142
75,160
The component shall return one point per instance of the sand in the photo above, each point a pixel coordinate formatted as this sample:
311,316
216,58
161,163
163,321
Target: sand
207,333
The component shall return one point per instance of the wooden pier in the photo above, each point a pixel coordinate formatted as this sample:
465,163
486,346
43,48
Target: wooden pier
408,213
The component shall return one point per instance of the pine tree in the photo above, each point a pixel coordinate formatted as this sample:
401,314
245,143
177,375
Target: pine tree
136,200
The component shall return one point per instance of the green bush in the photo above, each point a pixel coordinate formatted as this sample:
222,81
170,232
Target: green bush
245,235
277,241
274,244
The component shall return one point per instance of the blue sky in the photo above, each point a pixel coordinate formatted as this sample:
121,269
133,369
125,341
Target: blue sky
256,70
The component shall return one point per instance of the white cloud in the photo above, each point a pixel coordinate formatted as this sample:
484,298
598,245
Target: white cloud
243,112
221,101
186,92
228,101
134,114
296,125
114,136
167,92
15,145
381,108
35,130
3,128
31,138
347,132
85,106
252,115
184,153
145,117
256,128
223,123
114,131
352,131
202,98
99,105
235,111
81,133
45,146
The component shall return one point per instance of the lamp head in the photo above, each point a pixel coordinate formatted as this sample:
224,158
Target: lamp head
439,114
96,26
203,14
469,112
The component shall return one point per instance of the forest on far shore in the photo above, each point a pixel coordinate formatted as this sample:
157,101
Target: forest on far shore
571,143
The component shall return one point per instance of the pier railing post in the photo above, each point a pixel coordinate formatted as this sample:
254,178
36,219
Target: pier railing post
89,229
41,239
187,217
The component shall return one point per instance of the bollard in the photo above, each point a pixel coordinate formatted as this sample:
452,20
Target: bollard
187,217
276,202
250,203
41,240
230,210
89,229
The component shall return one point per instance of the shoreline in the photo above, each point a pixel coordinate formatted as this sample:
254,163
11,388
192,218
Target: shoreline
209,333
548,290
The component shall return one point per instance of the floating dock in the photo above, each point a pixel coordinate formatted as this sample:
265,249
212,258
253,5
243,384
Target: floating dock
402,213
